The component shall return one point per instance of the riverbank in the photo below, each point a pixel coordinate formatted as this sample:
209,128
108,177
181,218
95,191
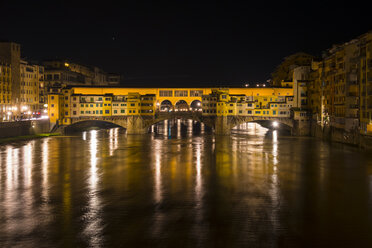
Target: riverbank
340,135
27,137
24,128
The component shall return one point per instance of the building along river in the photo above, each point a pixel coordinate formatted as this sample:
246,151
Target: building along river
182,186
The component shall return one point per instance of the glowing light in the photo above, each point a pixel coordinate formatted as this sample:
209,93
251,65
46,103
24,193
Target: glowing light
275,124
275,148
45,105
178,128
67,64
158,179
94,224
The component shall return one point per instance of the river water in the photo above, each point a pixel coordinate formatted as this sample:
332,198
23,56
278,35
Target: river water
184,187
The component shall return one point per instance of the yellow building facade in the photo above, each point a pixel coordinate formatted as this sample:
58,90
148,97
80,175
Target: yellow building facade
85,102
5,92
223,103
340,89
31,80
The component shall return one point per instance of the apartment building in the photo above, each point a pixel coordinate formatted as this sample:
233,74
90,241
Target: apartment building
5,91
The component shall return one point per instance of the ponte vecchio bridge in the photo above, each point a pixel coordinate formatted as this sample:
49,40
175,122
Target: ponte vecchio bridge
136,109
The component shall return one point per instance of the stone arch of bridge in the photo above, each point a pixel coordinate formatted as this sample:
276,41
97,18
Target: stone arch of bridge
82,124
268,123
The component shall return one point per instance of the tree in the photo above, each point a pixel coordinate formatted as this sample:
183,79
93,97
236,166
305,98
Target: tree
284,70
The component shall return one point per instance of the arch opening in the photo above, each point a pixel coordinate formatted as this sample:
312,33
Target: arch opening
181,105
272,125
196,105
166,106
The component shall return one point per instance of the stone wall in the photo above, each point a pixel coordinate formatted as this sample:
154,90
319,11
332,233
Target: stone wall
300,128
335,134
20,128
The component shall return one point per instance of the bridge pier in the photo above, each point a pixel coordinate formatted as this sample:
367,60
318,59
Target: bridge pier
300,128
221,125
136,125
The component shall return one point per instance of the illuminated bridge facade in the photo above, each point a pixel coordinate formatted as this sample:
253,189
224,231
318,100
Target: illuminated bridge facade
136,109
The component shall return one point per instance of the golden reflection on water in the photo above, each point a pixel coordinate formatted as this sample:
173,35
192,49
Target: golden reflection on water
200,231
275,148
240,189
93,227
27,164
113,140
178,128
9,203
159,216
157,175
189,127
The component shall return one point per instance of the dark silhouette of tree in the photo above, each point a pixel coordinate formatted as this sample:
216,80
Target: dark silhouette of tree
284,70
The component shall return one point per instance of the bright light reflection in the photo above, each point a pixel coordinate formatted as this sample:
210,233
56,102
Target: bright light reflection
44,165
158,189
27,164
199,229
178,128
111,142
27,196
198,182
189,127
93,158
93,229
157,179
10,186
166,127
10,169
275,148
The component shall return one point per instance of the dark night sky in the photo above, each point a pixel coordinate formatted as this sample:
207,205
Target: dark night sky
183,44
